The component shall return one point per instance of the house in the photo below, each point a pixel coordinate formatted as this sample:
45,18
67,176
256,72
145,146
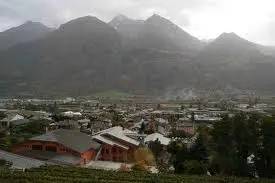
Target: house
99,125
20,162
116,144
157,136
206,119
72,114
136,127
186,127
60,146
161,121
66,124
2,112
13,120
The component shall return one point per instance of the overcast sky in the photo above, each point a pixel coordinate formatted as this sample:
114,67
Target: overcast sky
205,19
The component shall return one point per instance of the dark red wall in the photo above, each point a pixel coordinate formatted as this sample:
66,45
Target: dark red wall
116,153
27,146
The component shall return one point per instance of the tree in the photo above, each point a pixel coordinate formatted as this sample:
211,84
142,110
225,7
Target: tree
193,167
177,133
177,151
151,127
54,109
2,115
199,151
158,106
237,138
143,154
139,166
192,116
5,164
33,128
142,128
265,156
58,117
156,147
222,146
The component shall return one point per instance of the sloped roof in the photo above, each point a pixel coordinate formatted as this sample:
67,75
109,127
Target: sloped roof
20,161
161,120
120,133
153,137
17,117
14,117
77,141
109,141
138,124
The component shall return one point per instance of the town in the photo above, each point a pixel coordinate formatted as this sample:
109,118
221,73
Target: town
107,133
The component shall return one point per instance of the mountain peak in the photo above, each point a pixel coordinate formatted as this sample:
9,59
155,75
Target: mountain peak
157,18
29,26
232,38
26,32
230,43
124,23
30,22
118,20
120,17
83,19
82,23
229,35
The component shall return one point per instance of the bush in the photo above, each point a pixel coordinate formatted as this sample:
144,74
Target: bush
5,164
193,167
140,166
145,155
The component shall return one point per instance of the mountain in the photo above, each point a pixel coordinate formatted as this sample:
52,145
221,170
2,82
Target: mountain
78,57
154,33
153,56
268,50
161,33
127,27
156,54
234,61
26,32
229,48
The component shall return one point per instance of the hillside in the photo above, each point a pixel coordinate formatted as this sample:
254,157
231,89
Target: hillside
154,33
152,56
233,61
26,32
75,58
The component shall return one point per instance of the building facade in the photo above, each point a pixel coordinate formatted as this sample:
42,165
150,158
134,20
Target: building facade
59,146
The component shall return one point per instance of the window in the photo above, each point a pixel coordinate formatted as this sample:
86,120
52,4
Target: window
107,151
63,150
37,147
114,150
51,148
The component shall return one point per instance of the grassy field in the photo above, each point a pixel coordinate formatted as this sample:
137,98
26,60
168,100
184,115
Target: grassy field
57,174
